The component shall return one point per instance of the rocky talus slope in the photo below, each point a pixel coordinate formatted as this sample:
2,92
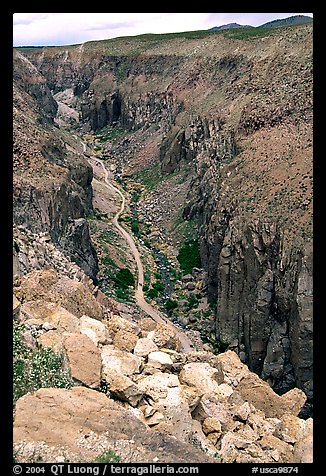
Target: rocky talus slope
232,117
134,393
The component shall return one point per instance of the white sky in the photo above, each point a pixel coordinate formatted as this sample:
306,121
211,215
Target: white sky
43,29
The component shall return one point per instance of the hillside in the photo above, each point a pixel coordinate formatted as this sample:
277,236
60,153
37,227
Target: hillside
230,25
290,21
209,136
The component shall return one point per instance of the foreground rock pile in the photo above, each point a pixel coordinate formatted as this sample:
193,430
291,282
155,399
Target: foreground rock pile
156,404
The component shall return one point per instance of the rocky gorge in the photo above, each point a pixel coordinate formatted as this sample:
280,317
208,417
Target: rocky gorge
216,135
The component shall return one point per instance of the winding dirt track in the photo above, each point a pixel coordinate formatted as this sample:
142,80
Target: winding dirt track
186,345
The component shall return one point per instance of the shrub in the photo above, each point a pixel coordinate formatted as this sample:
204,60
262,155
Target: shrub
170,305
192,301
34,369
124,278
135,227
108,456
189,256
152,293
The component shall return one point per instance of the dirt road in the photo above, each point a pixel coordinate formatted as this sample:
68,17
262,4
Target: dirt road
139,294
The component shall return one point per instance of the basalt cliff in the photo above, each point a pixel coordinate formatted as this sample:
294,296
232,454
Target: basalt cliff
218,126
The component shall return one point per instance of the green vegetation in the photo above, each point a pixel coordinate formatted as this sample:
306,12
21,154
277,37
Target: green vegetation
121,72
109,456
124,278
156,289
35,368
150,176
247,33
107,261
189,256
110,134
193,302
170,305
135,227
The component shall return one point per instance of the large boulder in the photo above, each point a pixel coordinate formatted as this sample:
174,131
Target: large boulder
262,396
160,360
117,323
165,336
144,346
122,387
125,340
95,330
215,406
157,386
232,367
147,325
201,376
80,424
124,363
84,359
40,313
303,448
48,285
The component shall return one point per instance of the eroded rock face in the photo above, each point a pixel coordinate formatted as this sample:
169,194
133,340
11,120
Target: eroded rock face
84,423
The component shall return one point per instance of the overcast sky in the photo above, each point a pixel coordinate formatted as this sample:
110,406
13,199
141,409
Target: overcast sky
43,29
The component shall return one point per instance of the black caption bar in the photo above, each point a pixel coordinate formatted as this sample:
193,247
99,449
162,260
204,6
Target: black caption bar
139,469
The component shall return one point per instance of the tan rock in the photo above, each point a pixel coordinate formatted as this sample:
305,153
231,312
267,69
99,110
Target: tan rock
199,440
212,405
50,286
84,359
95,330
190,395
225,390
292,428
165,336
303,448
117,323
83,423
177,412
156,386
165,427
121,387
144,347
262,396
124,363
242,412
52,340
202,376
212,425
284,451
125,340
213,437
160,360
263,426
233,369
146,325
293,401
155,419
39,312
